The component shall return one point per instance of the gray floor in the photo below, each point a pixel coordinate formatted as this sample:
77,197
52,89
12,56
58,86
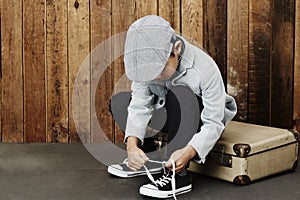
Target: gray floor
68,171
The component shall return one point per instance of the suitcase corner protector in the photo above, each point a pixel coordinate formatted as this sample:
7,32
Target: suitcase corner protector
242,150
296,134
242,180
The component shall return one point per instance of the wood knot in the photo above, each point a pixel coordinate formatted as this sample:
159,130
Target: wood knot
76,4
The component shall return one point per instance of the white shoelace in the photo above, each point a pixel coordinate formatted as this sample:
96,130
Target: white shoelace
164,180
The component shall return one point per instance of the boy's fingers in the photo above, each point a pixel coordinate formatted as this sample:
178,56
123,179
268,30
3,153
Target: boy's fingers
131,166
144,157
168,164
135,166
138,161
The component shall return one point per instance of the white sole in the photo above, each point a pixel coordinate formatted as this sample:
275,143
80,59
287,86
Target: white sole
122,174
164,194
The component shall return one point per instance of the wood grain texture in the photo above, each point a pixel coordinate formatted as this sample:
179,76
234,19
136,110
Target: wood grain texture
282,63
170,10
145,7
237,55
57,71
100,33
260,40
192,21
34,70
215,15
296,117
79,49
11,72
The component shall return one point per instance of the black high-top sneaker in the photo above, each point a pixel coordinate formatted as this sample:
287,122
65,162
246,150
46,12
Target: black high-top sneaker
164,188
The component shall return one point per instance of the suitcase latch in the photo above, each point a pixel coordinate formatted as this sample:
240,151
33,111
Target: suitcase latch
219,157
225,159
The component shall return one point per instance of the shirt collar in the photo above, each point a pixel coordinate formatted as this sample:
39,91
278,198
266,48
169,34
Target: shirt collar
187,60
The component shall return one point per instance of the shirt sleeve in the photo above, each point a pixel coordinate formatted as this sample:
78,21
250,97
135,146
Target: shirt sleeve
140,111
213,97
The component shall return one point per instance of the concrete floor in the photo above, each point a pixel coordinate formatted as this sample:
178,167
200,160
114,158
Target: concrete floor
68,171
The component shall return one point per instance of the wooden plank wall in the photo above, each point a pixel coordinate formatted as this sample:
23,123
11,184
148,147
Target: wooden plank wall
237,55
256,45
12,94
78,49
57,71
101,23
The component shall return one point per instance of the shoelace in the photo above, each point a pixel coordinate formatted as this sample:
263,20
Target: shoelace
165,179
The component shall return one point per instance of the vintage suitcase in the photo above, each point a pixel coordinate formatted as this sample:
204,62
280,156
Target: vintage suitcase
248,152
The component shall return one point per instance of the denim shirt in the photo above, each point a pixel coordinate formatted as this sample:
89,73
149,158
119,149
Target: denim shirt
199,72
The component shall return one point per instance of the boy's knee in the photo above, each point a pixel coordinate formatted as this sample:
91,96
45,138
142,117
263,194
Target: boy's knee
119,101
182,91
118,108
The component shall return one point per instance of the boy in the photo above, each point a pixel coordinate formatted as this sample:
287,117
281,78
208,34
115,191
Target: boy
174,78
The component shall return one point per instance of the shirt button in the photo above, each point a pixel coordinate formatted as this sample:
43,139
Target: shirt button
161,102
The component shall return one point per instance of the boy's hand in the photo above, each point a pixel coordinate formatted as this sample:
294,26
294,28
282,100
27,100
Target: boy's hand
136,156
181,158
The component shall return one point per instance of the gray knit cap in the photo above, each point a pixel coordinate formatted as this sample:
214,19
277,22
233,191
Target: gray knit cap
148,45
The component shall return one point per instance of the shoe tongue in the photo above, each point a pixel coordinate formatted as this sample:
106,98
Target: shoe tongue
180,173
